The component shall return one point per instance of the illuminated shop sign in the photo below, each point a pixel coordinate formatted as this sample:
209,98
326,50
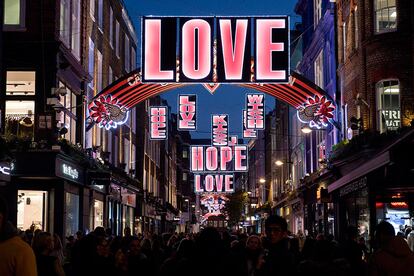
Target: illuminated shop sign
247,133
158,122
206,56
255,111
187,114
220,129
5,170
69,171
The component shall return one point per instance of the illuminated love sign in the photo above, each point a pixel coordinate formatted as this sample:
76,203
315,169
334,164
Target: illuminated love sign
187,112
206,56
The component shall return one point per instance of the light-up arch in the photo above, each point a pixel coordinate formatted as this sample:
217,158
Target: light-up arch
110,107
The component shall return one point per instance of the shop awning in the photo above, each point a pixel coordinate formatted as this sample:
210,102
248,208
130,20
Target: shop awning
375,163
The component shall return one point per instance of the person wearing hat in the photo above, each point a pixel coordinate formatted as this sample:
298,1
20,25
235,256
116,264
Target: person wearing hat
16,256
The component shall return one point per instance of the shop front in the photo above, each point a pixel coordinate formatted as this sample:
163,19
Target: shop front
44,198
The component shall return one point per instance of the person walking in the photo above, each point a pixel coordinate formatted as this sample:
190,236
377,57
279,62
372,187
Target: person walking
16,256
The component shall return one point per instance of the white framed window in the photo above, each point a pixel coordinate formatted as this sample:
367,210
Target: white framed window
317,12
127,56
99,81
319,70
100,15
117,39
133,59
92,9
91,62
76,29
388,105
14,15
385,16
111,27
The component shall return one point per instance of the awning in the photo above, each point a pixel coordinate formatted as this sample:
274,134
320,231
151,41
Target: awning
373,164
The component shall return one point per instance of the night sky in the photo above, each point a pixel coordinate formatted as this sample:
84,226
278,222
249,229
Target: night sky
227,99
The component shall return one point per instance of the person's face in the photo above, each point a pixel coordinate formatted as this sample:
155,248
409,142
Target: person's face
127,232
253,244
275,233
134,247
103,249
50,243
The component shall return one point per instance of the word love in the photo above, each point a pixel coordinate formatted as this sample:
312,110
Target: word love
219,159
187,112
158,122
199,45
213,183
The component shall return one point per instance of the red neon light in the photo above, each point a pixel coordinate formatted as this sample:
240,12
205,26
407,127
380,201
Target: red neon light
399,204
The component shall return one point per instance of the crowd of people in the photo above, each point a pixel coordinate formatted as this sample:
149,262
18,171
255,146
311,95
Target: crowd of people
208,252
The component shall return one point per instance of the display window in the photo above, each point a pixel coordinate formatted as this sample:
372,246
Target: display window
72,214
98,207
32,210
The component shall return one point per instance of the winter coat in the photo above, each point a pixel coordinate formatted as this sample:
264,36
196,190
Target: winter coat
394,259
16,256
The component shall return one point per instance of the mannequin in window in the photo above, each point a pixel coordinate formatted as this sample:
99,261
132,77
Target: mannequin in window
26,126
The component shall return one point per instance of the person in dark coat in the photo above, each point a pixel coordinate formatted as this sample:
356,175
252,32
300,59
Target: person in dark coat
278,258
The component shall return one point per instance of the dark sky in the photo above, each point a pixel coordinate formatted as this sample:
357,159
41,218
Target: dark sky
228,99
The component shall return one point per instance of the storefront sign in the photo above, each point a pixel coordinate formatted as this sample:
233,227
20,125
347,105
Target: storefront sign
392,118
187,114
158,122
353,186
255,111
220,129
200,46
5,169
69,171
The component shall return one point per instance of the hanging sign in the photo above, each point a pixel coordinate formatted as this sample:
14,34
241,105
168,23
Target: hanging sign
206,56
158,122
187,114
220,129
255,111
247,133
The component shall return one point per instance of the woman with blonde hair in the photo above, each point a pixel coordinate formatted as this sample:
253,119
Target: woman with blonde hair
47,264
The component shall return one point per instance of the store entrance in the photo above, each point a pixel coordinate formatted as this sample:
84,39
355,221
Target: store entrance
32,210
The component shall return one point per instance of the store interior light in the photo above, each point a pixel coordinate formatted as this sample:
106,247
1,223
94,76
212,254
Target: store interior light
394,14
186,200
279,163
306,129
392,90
262,180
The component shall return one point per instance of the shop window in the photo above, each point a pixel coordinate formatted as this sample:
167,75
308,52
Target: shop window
14,14
20,119
21,83
32,210
388,105
395,212
98,207
72,214
385,16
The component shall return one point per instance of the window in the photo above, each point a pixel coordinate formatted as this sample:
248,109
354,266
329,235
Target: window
72,214
67,117
319,70
91,62
14,14
21,83
385,16
117,38
20,119
344,41
32,209
185,154
100,15
356,30
98,212
317,12
110,75
133,59
184,176
76,29
92,9
99,82
111,27
65,22
388,105
127,56
127,151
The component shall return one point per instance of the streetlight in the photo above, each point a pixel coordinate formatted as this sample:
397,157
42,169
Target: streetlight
279,163
186,200
306,129
262,180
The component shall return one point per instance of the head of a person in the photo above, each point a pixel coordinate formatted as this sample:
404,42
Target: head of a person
134,246
57,242
3,212
127,232
102,247
42,243
99,231
276,228
384,232
185,249
253,243
352,233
